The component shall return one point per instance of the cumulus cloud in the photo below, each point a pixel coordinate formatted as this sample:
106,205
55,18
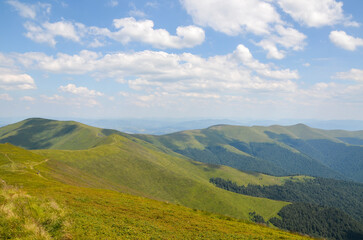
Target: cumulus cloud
47,32
244,54
353,74
6,97
345,41
81,91
234,16
177,73
314,13
129,29
71,64
259,17
11,79
286,37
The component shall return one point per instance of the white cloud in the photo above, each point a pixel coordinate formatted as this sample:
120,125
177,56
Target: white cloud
25,10
152,4
330,91
6,97
47,32
313,13
128,30
288,38
11,79
6,61
27,99
272,50
265,70
237,17
81,91
137,13
143,31
77,64
112,3
173,73
30,10
353,74
96,43
306,64
53,98
345,41
79,101
233,17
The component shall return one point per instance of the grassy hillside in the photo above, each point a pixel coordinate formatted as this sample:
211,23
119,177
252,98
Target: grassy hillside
245,148
130,165
37,133
275,150
35,206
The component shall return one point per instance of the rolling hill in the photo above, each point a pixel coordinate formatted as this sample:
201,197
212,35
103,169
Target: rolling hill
33,205
38,133
275,150
84,159
124,163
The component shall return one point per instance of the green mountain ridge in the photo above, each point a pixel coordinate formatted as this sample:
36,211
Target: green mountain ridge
38,133
124,163
275,150
170,167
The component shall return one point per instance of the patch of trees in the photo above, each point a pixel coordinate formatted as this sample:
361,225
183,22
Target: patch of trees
346,196
254,217
321,207
318,222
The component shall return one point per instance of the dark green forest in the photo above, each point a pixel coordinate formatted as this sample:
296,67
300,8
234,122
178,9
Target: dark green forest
344,195
318,222
321,207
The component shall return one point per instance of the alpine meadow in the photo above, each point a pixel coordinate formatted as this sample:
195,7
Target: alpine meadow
181,119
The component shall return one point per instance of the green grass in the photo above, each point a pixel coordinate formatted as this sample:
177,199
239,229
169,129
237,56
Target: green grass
129,166
37,133
26,217
275,150
36,206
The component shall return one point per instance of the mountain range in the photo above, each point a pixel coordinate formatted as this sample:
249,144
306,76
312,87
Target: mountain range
177,168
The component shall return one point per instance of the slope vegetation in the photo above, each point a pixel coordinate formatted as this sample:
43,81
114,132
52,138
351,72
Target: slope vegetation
133,166
36,206
38,133
275,150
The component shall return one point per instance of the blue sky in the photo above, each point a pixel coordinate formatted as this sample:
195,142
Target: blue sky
250,59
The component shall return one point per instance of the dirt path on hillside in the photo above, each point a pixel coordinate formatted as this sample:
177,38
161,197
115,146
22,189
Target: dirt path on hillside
29,166
36,164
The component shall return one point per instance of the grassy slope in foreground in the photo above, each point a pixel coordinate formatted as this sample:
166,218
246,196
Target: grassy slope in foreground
34,210
137,167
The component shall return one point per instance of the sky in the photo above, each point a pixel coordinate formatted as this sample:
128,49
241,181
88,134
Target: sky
236,59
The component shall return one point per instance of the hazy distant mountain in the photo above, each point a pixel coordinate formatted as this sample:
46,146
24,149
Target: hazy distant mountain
155,126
